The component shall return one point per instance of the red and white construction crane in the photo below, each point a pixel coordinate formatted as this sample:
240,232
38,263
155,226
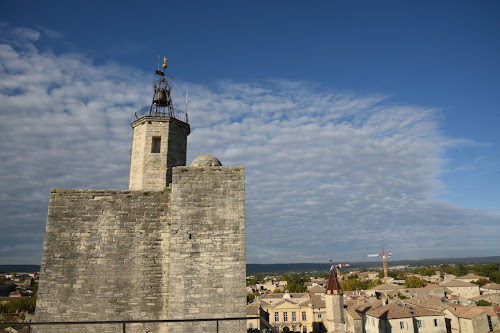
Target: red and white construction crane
384,259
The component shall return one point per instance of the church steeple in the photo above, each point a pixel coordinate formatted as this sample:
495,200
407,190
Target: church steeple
159,140
333,286
334,301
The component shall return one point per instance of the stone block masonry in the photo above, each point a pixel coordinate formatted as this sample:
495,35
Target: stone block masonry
178,253
150,169
104,258
208,272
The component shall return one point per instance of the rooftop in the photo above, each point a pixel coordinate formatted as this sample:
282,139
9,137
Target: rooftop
401,310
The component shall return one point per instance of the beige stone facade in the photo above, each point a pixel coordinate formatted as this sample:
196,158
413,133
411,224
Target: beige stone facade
171,247
462,289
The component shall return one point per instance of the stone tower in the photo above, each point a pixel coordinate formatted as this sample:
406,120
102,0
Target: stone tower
170,247
159,141
334,301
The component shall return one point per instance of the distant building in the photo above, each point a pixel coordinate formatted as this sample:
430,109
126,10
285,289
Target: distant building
467,319
401,317
490,288
471,278
462,289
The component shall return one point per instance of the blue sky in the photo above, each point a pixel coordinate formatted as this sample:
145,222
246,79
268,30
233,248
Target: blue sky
350,117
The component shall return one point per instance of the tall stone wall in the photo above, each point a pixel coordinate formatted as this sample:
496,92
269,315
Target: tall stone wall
147,255
104,258
207,248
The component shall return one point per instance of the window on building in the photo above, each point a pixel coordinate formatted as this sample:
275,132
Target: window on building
294,316
435,323
420,324
402,325
285,316
304,329
304,316
277,317
155,148
319,316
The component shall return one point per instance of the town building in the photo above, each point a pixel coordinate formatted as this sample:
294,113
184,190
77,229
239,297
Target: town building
462,289
401,317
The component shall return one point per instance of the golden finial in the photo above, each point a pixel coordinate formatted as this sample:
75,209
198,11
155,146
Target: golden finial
164,63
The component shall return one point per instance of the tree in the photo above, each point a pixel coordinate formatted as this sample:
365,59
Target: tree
428,271
481,282
414,282
295,288
351,284
461,270
251,296
369,284
483,302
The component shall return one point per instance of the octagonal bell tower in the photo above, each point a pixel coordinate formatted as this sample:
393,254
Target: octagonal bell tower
159,140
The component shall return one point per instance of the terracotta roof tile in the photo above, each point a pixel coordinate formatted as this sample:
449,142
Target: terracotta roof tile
401,310
494,286
458,283
467,312
317,301
429,302
388,286
253,309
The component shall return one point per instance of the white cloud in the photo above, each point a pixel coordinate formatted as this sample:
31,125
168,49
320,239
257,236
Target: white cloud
328,174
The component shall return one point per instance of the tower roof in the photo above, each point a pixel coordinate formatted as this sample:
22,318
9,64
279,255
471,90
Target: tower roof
333,286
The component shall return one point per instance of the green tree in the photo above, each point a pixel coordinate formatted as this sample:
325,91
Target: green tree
414,282
428,271
483,302
351,284
295,288
461,270
369,284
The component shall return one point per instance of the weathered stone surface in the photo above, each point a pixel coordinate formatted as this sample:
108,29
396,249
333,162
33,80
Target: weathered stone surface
153,171
175,252
104,258
209,269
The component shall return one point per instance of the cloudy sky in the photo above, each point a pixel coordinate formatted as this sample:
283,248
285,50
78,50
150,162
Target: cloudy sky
360,124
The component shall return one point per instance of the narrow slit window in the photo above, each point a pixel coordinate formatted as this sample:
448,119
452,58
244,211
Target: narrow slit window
156,145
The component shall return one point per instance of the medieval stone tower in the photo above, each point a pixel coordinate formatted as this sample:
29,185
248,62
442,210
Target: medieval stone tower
170,247
334,301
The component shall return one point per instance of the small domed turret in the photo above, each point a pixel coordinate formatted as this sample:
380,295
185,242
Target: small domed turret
205,160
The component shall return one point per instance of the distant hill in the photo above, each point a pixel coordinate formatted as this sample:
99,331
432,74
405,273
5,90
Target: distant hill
303,268
19,268
315,267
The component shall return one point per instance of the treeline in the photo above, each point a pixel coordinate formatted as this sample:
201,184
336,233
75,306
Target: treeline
15,305
353,283
18,305
490,271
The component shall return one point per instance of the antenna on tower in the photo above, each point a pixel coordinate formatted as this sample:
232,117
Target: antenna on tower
187,101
